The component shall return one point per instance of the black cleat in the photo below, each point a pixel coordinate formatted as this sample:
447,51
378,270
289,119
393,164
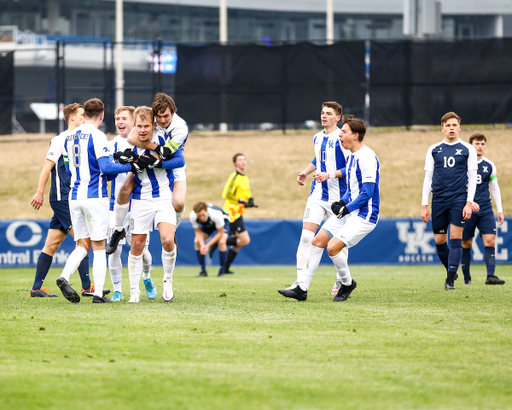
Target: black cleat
68,292
114,240
228,272
202,274
449,286
494,280
212,249
104,299
295,293
41,293
467,281
345,292
90,291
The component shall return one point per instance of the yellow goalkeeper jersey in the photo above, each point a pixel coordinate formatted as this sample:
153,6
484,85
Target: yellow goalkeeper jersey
237,187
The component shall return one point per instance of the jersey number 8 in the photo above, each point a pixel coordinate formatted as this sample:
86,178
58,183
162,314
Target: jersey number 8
76,155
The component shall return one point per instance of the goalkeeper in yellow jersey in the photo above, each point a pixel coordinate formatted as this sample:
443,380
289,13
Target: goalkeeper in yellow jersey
237,194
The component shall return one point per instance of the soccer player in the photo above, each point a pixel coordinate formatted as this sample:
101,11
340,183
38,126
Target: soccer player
172,133
60,223
86,156
450,174
328,185
483,219
152,202
355,215
124,123
207,219
237,194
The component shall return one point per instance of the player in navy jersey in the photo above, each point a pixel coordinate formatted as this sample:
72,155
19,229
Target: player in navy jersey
328,186
60,223
208,220
483,219
355,215
450,174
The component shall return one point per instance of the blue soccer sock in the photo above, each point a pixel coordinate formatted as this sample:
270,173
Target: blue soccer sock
443,252
222,260
454,258
466,262
83,271
43,266
490,260
202,261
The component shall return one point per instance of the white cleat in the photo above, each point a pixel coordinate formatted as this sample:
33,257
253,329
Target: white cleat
134,298
168,294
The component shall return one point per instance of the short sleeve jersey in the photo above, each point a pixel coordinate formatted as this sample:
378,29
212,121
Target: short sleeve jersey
450,163
485,174
216,219
117,144
329,156
59,189
364,167
84,146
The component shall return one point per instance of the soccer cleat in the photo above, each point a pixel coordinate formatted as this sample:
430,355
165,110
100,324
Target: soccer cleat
97,299
114,240
221,273
212,249
294,292
228,272
345,292
134,298
467,281
336,287
90,292
202,274
167,293
117,296
41,293
494,280
449,286
150,288
68,292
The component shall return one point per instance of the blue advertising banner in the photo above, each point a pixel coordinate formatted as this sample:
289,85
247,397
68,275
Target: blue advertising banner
273,242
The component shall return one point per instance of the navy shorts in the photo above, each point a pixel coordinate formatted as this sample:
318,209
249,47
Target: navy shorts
237,227
61,218
209,231
484,221
444,214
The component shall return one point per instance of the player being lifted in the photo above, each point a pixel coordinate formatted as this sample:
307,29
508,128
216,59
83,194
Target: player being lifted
172,133
88,154
483,219
450,174
355,215
124,123
152,203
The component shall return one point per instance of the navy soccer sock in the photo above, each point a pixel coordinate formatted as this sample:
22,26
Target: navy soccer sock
201,260
454,258
230,258
222,260
83,271
43,266
443,251
490,260
466,262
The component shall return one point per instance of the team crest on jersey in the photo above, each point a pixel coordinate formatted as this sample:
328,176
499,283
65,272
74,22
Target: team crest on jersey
458,151
485,169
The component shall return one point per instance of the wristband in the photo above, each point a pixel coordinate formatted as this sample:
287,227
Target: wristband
332,175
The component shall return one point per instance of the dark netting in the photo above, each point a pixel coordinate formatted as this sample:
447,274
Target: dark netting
6,91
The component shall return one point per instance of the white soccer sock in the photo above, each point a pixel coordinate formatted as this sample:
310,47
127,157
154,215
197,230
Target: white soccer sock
179,217
115,267
134,272
75,258
147,261
99,271
302,251
305,276
345,251
168,262
341,262
120,212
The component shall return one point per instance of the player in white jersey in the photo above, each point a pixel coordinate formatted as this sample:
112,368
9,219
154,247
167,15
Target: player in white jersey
172,133
328,186
87,154
152,203
355,215
124,123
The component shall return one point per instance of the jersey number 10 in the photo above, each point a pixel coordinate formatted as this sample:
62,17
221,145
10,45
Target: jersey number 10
449,162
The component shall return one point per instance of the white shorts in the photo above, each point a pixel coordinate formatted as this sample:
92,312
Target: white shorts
89,218
145,211
316,211
350,230
180,175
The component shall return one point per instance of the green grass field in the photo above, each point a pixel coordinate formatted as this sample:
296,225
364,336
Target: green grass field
400,342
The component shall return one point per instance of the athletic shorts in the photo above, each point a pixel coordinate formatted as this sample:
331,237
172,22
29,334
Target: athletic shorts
210,230
237,226
350,229
180,175
484,221
316,211
444,214
89,218
144,212
61,218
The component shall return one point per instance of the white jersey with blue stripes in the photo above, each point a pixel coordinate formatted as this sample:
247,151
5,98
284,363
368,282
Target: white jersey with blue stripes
177,131
329,157
364,167
83,147
118,144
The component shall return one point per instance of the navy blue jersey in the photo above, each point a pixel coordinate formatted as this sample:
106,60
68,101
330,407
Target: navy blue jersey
450,163
485,174
60,183
216,219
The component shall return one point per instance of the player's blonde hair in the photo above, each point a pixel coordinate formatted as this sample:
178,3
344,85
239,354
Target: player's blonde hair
449,116
200,206
71,109
128,108
144,113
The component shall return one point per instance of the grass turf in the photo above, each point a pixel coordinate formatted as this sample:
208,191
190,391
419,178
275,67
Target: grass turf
400,342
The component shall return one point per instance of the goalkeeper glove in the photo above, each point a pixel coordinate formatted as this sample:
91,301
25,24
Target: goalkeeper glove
249,204
163,152
339,208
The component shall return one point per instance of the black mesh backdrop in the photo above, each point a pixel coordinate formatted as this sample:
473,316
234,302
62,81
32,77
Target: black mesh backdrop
6,91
